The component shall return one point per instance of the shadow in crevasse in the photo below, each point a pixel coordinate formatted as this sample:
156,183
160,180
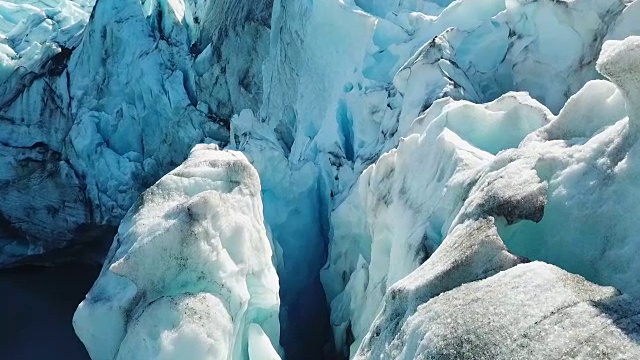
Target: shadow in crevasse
36,307
624,313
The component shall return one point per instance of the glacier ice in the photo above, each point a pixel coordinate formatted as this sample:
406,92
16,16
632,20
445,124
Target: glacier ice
531,311
473,251
36,36
291,198
190,273
405,148
398,214
550,189
113,103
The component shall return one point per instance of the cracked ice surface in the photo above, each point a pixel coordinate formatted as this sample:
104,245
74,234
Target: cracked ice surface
550,194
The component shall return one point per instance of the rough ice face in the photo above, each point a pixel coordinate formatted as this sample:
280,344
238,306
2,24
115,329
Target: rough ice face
332,98
586,173
531,311
514,49
398,214
550,189
43,197
97,116
36,38
190,273
82,138
471,50
340,115
472,251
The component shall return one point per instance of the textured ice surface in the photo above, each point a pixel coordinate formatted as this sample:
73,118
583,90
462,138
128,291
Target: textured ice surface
472,251
104,114
399,213
551,191
190,272
91,118
36,36
291,199
531,311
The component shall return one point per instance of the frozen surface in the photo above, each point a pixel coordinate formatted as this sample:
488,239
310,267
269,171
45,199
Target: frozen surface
97,116
532,311
398,214
190,272
551,191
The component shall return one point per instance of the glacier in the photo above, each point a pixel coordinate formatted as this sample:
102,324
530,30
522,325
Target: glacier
369,167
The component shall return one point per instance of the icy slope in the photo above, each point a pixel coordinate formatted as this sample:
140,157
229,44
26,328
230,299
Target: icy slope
532,311
344,80
190,273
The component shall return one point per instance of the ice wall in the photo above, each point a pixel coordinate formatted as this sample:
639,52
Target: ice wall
377,129
291,209
93,115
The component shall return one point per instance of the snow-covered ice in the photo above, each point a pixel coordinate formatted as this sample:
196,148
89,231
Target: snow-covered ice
531,311
190,273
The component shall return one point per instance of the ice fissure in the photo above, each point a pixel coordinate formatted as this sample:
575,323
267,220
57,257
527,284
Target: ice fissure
311,179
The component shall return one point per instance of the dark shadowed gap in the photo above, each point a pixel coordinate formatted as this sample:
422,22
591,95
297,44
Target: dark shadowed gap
306,332
37,305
